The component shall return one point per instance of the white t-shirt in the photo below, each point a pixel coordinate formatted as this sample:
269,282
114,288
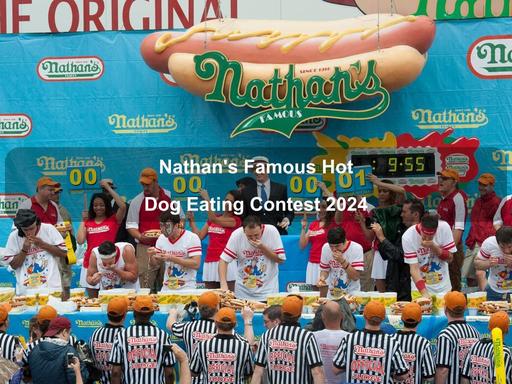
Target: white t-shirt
257,276
186,246
433,270
40,269
338,281
328,342
110,279
500,276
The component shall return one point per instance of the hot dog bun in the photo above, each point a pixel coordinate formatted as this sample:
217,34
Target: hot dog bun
390,69
290,42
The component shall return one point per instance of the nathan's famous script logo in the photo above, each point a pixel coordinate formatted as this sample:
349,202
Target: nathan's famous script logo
15,125
490,57
435,9
302,99
70,68
503,159
454,118
53,166
10,202
141,124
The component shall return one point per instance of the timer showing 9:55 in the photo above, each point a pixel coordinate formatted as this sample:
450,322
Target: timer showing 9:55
398,165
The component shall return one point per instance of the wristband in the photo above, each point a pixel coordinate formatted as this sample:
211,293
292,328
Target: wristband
420,284
248,322
445,255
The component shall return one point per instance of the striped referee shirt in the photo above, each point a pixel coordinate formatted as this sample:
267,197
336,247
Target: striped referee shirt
224,358
288,353
453,344
479,363
193,332
417,353
139,350
101,343
370,356
72,341
8,345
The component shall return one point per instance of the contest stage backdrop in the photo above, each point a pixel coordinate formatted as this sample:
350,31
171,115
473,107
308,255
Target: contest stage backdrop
83,106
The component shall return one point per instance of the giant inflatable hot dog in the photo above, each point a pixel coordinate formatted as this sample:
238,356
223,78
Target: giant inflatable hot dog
396,43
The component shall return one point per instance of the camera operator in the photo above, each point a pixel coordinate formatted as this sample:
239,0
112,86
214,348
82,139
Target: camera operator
397,272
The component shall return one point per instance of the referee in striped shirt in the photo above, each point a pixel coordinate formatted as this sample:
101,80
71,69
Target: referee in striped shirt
224,358
138,354
455,341
479,362
416,349
287,353
370,355
8,343
102,339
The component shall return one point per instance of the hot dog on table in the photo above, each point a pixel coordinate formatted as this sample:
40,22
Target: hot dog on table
397,44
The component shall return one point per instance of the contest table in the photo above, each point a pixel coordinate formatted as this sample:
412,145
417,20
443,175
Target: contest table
84,323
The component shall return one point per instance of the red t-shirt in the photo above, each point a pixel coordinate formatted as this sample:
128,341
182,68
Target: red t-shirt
506,212
50,216
97,233
482,216
218,238
317,238
150,220
353,229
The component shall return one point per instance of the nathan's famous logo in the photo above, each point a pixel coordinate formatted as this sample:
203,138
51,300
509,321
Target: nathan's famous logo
141,124
10,202
301,100
436,9
70,68
15,125
454,118
490,57
53,166
503,159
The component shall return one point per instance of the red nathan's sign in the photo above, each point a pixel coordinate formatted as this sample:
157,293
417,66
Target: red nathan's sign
43,16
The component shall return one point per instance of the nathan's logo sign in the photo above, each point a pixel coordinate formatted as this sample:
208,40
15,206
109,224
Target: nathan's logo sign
436,9
142,124
490,57
54,166
15,125
70,68
454,118
10,202
303,100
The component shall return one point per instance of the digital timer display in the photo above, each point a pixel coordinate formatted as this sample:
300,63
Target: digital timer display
398,165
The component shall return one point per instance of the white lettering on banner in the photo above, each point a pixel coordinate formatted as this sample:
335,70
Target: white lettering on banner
44,16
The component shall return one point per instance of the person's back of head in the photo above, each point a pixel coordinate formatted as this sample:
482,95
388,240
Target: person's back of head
332,315
272,316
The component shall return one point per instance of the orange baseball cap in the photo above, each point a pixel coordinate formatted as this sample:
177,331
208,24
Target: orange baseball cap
455,301
226,315
44,181
4,314
117,306
487,179
292,305
143,304
499,320
374,309
411,313
46,313
148,175
209,299
451,173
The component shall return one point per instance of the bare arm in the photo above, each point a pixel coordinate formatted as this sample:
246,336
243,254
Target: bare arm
171,319
416,276
304,234
318,375
116,374
54,250
203,232
248,315
193,262
442,374
457,236
257,375
93,277
267,251
130,271
223,272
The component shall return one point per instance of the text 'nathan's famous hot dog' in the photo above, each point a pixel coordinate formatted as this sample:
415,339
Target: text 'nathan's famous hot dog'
397,44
